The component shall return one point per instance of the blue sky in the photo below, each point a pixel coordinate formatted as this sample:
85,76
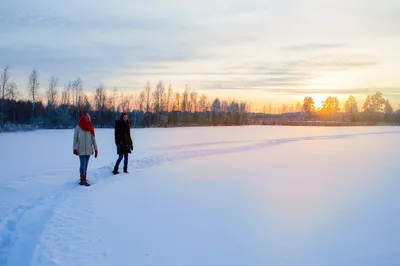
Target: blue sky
274,51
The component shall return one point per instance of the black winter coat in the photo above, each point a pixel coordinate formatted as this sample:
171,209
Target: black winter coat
123,138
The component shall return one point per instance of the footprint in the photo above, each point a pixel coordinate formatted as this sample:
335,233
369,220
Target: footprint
11,225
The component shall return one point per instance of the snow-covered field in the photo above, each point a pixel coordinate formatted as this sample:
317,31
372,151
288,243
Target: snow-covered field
204,196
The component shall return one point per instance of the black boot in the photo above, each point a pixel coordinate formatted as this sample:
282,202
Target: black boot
115,170
126,169
84,182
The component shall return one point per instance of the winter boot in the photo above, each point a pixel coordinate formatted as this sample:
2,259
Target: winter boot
115,172
84,182
126,169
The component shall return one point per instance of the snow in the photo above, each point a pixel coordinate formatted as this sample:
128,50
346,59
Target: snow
204,196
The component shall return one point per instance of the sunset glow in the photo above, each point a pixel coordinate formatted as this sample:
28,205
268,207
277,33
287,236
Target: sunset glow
264,52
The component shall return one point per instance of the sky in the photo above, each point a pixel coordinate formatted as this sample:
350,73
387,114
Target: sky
275,51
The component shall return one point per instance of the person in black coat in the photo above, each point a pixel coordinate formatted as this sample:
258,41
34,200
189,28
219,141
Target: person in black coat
123,141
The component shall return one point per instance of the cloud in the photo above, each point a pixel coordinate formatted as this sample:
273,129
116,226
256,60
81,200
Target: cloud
298,67
314,47
256,45
388,91
256,75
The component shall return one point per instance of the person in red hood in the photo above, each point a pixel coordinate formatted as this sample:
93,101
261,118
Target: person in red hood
84,145
123,141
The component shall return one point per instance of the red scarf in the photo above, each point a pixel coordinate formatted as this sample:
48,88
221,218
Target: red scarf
85,124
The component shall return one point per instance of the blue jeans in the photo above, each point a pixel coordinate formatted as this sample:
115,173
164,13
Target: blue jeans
84,159
125,156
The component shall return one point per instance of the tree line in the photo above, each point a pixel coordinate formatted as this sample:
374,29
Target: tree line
159,106
374,109
163,106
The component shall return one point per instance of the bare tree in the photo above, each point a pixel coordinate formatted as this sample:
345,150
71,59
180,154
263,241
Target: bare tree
12,93
100,98
351,106
135,101
224,106
177,101
124,105
216,106
157,97
169,98
109,104
163,97
243,107
193,101
203,103
299,107
130,103
51,94
388,109
75,91
234,107
374,104
66,95
77,88
308,105
86,103
185,99
120,102
264,110
147,90
4,80
142,100
51,91
284,108
114,99
70,94
33,86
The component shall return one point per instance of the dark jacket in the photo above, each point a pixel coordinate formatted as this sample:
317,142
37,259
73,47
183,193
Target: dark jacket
123,138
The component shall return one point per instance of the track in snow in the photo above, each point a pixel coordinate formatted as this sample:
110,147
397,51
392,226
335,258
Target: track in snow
21,227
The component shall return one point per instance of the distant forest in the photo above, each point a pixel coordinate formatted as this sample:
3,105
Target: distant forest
161,106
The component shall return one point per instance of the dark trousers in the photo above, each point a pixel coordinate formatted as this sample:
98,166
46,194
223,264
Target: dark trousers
84,160
125,156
